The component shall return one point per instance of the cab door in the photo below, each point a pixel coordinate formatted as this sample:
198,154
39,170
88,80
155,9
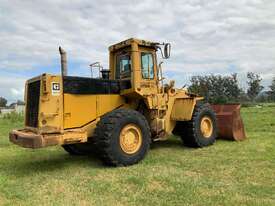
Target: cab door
148,72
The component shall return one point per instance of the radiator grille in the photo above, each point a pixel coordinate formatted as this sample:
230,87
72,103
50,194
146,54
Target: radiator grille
33,104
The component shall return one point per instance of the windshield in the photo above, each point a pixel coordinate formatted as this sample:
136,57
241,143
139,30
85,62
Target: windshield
123,66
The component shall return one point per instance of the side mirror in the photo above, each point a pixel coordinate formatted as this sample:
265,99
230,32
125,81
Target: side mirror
167,50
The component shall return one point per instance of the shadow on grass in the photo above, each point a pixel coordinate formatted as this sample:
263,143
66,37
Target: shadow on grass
29,162
4,144
25,165
172,142
176,143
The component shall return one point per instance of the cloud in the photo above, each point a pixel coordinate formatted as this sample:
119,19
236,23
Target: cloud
12,88
207,36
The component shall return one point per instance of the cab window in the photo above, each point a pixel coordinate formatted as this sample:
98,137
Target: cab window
123,66
147,65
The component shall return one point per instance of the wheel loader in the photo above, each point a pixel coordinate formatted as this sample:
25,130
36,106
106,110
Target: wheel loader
117,113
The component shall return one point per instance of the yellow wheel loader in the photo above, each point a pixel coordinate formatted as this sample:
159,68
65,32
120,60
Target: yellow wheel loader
119,112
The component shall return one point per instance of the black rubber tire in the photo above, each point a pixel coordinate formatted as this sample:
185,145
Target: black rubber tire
78,149
107,132
190,130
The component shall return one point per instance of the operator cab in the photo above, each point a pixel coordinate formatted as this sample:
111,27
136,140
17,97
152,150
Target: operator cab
133,70
135,61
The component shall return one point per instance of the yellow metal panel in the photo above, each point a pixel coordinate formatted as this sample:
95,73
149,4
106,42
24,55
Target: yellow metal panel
50,105
79,110
107,103
183,109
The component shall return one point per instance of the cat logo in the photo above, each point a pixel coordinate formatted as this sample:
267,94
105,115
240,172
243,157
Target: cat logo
55,88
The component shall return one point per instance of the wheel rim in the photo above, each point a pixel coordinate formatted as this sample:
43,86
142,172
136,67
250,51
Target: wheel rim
130,139
206,127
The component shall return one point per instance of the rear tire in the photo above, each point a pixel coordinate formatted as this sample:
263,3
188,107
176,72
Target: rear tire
78,149
122,137
201,130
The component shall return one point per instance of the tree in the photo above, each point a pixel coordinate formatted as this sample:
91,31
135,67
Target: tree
20,102
271,93
254,85
3,102
216,88
200,85
231,88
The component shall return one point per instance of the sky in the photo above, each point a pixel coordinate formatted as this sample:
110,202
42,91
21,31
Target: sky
207,37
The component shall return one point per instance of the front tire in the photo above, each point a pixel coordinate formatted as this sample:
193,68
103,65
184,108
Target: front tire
201,130
122,137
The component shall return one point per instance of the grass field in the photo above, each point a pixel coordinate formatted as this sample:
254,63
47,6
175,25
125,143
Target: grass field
227,173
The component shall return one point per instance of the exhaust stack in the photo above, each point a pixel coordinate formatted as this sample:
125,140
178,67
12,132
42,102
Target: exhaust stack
64,68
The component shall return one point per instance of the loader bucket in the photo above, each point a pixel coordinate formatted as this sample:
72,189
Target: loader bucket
229,121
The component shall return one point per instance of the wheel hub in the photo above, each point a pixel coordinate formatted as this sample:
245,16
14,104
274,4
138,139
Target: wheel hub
206,127
130,139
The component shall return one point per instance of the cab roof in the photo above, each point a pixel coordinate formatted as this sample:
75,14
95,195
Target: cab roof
128,42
